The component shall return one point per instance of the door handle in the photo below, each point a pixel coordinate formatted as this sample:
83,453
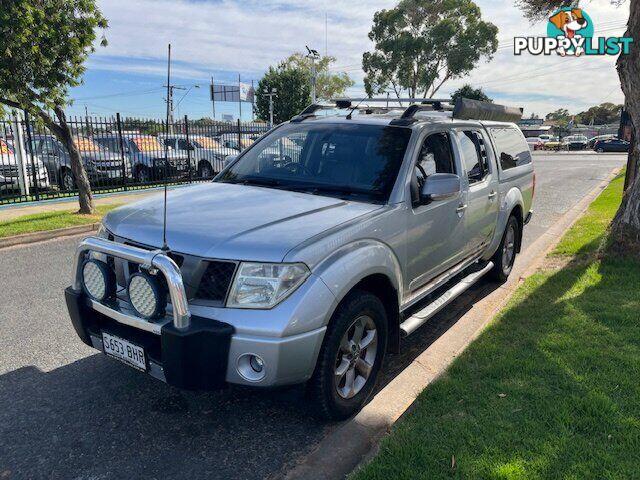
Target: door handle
492,195
461,208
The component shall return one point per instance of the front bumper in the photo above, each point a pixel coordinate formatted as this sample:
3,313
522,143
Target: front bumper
185,350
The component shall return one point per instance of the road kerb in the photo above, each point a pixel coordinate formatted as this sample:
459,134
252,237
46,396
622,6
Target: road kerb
34,237
355,441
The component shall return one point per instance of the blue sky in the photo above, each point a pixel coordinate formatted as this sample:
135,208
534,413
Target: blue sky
224,38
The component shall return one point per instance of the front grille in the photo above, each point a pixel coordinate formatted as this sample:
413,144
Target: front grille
215,281
9,170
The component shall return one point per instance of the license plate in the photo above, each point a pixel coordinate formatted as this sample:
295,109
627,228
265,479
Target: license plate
124,351
114,174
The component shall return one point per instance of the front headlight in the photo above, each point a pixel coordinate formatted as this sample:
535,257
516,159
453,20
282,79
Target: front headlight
264,285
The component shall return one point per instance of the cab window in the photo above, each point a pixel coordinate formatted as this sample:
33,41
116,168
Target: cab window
435,156
474,155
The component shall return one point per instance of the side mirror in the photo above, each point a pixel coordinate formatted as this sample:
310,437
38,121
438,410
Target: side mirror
229,159
440,186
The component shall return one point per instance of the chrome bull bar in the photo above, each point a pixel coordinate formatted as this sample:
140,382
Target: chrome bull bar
149,260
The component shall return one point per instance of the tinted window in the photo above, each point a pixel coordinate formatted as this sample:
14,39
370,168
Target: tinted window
474,155
435,157
511,149
342,159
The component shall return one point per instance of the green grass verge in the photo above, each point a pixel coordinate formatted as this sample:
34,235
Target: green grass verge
39,222
588,233
550,390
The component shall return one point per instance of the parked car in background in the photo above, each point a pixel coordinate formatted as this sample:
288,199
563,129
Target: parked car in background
575,142
147,157
102,166
10,170
535,143
309,270
230,140
592,141
207,155
611,145
546,137
554,144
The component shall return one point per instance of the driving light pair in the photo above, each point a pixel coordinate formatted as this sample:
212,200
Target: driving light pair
146,294
264,285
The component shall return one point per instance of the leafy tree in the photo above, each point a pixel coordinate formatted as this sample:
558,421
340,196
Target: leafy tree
293,92
560,115
602,114
467,91
43,47
328,85
420,44
625,231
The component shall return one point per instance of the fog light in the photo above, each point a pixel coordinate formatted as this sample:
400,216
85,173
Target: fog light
251,367
147,295
256,363
98,280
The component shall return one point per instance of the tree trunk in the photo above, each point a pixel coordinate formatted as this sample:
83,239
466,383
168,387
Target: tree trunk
64,134
625,229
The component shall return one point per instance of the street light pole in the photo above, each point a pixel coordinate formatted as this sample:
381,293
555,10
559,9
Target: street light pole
270,94
313,55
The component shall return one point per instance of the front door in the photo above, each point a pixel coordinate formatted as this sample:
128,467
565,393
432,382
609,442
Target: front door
482,202
434,228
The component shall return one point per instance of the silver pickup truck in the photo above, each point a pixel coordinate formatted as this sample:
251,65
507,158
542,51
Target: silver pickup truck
309,270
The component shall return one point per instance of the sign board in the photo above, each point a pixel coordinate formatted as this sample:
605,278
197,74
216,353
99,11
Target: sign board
227,118
232,93
531,121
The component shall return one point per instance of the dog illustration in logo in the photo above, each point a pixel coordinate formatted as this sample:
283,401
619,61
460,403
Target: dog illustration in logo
570,22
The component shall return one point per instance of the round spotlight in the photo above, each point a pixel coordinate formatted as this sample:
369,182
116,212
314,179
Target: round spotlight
98,280
147,295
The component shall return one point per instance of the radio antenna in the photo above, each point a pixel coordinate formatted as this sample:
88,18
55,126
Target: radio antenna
165,247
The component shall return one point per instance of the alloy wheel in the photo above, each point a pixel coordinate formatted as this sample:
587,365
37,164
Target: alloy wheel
509,248
356,357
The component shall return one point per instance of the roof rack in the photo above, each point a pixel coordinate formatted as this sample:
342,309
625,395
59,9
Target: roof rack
464,109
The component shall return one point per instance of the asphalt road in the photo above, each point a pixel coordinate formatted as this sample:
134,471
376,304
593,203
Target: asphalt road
69,412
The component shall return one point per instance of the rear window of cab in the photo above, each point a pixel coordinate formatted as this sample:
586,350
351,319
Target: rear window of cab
511,147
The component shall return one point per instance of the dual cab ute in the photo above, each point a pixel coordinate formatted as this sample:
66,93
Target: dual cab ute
309,270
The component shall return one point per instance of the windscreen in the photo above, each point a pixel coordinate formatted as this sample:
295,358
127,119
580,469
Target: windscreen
147,144
205,142
86,145
5,148
342,159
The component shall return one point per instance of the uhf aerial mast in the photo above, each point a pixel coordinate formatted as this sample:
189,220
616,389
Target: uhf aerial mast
165,247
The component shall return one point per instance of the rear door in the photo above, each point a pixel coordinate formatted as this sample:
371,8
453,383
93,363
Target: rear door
482,203
434,228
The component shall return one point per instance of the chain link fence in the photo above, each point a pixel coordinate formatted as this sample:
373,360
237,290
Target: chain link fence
118,154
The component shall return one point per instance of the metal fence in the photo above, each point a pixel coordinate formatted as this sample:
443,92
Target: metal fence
118,154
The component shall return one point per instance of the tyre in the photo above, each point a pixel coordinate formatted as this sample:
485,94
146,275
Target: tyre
67,182
143,175
505,256
205,170
600,150
350,358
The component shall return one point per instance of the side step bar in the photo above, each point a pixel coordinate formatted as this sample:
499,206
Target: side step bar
412,323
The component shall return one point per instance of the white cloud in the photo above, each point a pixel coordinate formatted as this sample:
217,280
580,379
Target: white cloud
248,36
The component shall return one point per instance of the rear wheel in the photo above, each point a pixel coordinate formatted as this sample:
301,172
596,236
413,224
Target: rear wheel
505,256
350,357
67,182
205,170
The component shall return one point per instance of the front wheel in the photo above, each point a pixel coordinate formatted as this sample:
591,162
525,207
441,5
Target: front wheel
350,357
600,150
205,170
505,256
67,182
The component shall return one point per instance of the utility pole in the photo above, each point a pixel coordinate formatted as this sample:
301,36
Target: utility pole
213,100
313,55
271,94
